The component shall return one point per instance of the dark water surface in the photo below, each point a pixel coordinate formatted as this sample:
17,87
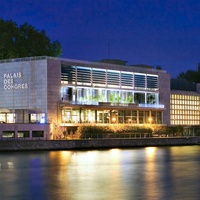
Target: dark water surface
118,174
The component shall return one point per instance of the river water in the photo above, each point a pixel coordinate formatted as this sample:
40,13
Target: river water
160,173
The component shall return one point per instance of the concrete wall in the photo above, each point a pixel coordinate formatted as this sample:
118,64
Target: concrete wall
164,96
53,90
20,145
25,127
23,85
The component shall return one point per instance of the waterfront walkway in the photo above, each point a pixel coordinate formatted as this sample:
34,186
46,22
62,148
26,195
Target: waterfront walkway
22,145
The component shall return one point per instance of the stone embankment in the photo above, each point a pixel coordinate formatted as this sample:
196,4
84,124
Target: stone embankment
31,145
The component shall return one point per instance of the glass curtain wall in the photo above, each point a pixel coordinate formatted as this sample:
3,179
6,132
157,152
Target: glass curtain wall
184,109
111,116
91,96
84,85
7,118
70,115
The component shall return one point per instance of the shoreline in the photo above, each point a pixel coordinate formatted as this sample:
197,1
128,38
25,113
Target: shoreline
33,145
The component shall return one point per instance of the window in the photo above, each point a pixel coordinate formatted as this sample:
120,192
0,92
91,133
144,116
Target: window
37,133
8,134
23,134
2,118
99,77
139,81
68,74
152,82
151,98
139,98
126,79
83,76
37,118
141,117
113,78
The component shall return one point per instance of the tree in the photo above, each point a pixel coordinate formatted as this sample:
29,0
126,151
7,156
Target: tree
191,76
57,132
158,67
25,41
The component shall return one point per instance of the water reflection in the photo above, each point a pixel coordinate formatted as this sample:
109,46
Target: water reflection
152,183
142,173
94,177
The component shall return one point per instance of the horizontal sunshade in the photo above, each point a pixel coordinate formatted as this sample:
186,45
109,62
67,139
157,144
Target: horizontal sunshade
152,82
99,76
68,73
108,78
113,78
127,79
83,75
139,80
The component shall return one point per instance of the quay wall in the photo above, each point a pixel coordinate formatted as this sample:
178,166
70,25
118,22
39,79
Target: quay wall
31,145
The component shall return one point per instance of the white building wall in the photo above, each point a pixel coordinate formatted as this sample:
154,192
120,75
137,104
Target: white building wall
23,85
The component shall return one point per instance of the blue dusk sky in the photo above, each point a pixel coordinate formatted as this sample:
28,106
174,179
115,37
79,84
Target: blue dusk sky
152,32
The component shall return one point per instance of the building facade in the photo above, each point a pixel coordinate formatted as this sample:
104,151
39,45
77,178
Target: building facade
38,93
184,108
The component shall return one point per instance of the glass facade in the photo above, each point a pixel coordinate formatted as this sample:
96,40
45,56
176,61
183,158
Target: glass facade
92,96
184,109
102,87
86,116
84,85
86,76
7,117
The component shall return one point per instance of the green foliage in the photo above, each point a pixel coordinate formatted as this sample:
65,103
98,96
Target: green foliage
169,131
158,67
191,76
120,130
112,97
25,41
130,99
88,131
182,84
57,132
127,131
115,98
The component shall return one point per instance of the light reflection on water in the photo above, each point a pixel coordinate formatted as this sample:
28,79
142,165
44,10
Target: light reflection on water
117,174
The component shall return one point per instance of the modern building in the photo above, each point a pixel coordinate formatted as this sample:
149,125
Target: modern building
40,93
184,103
185,106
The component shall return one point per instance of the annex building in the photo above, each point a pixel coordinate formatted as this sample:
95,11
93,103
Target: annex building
39,93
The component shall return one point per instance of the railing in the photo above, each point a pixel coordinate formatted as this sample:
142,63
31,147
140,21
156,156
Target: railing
127,136
100,136
151,106
23,59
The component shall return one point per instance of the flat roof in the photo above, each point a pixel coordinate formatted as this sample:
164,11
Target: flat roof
93,64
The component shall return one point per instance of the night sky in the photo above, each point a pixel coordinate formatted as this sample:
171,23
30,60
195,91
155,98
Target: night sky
152,32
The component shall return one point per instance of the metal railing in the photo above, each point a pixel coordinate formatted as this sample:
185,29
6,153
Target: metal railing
100,136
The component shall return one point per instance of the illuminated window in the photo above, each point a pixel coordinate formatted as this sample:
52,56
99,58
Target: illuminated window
37,118
8,134
23,134
186,108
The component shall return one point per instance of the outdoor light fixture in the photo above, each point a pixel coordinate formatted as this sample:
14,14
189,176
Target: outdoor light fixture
114,119
150,119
